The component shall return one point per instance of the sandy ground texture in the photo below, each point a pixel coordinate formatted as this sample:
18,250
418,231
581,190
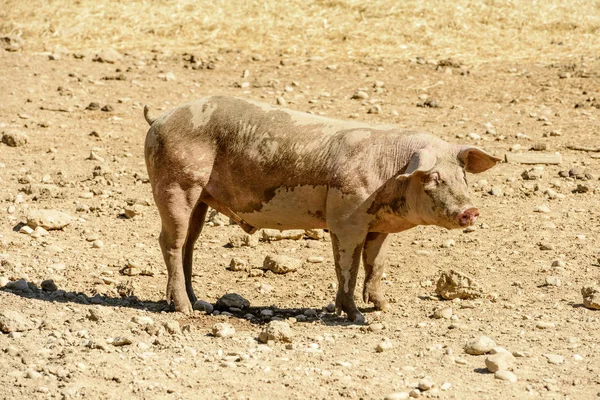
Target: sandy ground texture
82,309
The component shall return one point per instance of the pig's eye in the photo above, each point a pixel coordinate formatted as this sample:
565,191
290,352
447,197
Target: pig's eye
432,180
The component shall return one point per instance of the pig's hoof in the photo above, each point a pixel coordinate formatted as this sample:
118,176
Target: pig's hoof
358,318
185,308
383,306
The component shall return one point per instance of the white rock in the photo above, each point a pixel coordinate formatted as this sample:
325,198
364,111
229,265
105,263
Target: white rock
480,345
397,396
277,331
142,320
506,376
425,384
542,209
555,359
384,345
223,329
445,313
499,361
48,219
281,264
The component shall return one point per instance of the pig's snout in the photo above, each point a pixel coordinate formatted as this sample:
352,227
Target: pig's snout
468,217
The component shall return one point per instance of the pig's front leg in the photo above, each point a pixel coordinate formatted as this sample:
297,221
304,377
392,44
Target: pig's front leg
373,254
347,248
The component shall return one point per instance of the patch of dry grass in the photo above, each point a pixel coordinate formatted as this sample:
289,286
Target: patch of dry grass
465,29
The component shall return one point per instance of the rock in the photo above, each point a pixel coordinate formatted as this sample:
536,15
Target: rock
453,284
93,106
121,341
553,281
133,210
264,288
425,384
238,264
49,286
278,331
555,359
316,234
445,313
201,305
542,209
281,264
97,244
18,285
449,243
506,376
499,361
14,321
108,55
315,259
172,327
32,374
480,345
544,325
397,396
591,297
533,173
43,190
217,219
281,101
384,345
142,320
360,95
11,43
255,272
232,300
15,139
3,281
272,235
223,329
98,314
376,109
243,239
48,219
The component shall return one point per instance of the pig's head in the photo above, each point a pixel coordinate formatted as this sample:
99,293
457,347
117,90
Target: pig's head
437,191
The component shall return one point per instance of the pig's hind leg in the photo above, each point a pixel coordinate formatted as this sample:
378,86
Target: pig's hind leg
196,223
176,207
373,255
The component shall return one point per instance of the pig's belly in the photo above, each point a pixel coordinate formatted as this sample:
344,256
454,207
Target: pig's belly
299,207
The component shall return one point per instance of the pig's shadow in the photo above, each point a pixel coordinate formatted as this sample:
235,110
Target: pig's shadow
252,314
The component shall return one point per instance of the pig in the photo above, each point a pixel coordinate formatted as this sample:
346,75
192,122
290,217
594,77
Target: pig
270,167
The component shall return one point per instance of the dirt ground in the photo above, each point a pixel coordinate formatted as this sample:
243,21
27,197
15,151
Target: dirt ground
533,249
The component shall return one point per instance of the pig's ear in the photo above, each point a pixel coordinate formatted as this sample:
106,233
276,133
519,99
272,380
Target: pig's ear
422,160
475,160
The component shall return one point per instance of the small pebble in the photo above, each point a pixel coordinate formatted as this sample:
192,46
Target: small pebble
383,346
480,345
445,313
425,384
506,376
555,359
223,329
397,396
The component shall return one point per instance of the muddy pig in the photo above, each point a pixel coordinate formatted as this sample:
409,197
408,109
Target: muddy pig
269,167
